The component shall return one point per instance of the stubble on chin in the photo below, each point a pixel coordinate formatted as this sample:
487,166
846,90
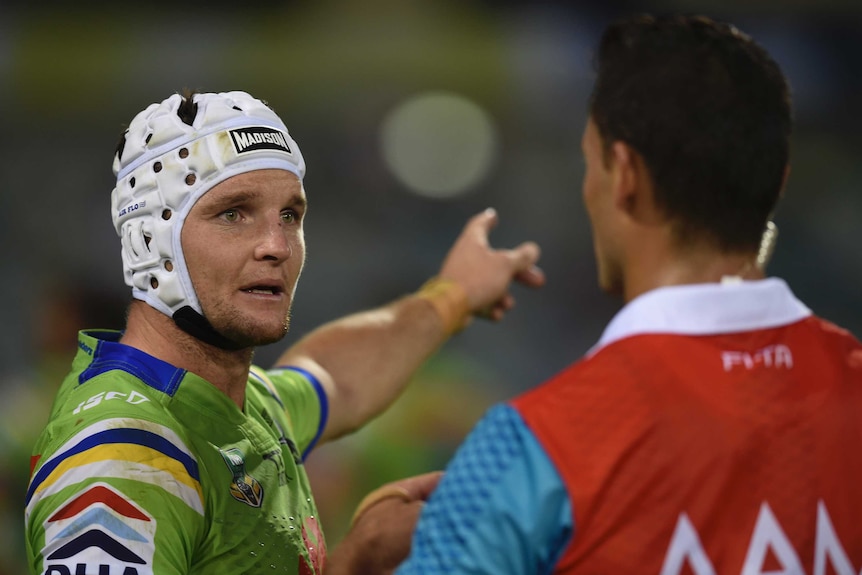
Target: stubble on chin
247,333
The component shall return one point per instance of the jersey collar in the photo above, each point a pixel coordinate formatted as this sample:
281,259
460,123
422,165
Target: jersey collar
103,350
706,309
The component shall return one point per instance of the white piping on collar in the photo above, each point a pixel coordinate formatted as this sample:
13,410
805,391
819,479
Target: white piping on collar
706,309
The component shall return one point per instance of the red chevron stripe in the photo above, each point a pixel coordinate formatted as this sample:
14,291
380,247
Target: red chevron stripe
99,494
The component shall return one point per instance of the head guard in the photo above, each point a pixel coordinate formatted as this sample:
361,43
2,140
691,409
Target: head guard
165,166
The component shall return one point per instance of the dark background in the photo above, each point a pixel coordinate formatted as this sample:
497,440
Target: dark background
511,81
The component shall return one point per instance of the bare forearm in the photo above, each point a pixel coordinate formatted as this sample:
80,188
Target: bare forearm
365,360
368,358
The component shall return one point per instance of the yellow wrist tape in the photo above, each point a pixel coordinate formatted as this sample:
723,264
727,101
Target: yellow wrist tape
450,301
378,495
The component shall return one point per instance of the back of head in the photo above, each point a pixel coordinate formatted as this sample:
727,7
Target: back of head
709,111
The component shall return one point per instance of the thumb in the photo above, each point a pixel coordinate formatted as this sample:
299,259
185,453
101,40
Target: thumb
420,486
415,488
482,223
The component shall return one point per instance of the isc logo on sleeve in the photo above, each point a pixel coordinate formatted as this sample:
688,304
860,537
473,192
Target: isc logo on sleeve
132,397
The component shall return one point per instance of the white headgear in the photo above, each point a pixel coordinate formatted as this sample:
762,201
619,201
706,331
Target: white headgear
166,165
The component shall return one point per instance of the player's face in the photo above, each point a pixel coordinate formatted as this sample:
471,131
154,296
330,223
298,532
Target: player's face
597,192
244,248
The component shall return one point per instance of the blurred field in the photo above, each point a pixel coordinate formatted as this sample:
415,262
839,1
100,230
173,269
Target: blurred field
384,205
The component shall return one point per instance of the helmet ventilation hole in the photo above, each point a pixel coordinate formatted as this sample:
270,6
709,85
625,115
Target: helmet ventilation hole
166,214
157,167
184,153
154,283
132,182
169,265
191,179
149,137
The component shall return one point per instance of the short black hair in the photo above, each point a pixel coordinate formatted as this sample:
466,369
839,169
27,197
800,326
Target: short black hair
186,111
710,113
188,108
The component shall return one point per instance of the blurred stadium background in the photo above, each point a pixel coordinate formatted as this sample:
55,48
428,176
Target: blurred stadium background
412,116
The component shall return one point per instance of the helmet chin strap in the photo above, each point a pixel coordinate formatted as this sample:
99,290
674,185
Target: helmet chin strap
196,325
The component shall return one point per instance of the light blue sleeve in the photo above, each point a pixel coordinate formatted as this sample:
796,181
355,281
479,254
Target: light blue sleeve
500,508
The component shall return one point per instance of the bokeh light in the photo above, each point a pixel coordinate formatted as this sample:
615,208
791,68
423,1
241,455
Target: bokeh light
439,144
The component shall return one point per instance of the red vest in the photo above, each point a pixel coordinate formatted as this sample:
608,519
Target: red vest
712,454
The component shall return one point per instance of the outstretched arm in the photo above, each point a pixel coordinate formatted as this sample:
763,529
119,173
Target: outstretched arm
364,360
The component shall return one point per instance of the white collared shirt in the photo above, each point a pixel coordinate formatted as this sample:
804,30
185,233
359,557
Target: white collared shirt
706,309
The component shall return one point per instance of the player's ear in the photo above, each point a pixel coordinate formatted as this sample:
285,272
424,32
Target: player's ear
633,187
625,170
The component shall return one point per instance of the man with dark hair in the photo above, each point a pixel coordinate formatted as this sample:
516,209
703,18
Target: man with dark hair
706,109
707,431
167,451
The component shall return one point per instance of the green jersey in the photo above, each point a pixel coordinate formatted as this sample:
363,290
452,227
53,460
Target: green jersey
145,468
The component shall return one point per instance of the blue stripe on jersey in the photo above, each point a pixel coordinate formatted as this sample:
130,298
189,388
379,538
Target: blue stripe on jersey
324,405
121,435
501,506
110,354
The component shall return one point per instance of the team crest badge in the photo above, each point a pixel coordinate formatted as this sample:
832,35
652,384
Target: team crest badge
243,487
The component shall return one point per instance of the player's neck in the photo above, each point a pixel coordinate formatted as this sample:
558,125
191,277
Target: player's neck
156,334
664,266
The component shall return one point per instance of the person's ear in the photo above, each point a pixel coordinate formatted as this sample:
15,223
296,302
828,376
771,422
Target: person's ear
633,188
625,175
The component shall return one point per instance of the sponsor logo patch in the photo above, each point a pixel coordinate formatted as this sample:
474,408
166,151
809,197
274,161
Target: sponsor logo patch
258,138
243,486
98,528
